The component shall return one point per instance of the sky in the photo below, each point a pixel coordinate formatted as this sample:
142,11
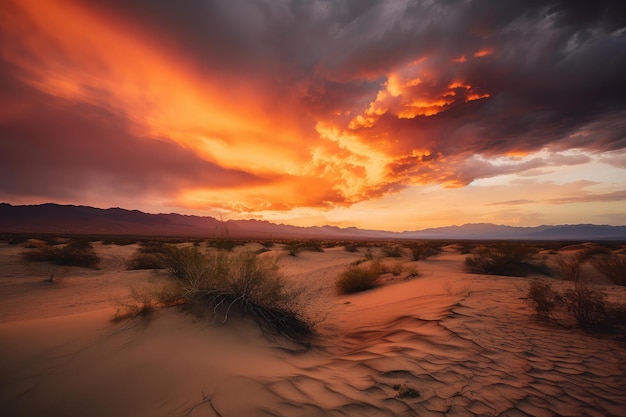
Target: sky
389,115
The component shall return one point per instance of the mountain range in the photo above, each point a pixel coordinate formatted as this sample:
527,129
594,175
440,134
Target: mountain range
69,219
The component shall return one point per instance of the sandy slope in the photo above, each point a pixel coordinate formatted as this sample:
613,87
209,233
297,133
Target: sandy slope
445,343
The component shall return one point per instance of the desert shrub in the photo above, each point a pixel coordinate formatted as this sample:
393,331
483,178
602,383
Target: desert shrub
507,258
394,268
76,253
145,261
295,247
587,304
542,297
119,241
466,247
570,267
219,282
358,278
222,243
613,267
150,255
17,240
351,247
392,251
424,250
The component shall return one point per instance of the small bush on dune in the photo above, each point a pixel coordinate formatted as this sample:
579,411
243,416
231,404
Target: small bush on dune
149,256
392,251
613,267
587,304
510,259
424,250
295,247
351,248
570,267
358,278
220,282
222,243
542,297
76,253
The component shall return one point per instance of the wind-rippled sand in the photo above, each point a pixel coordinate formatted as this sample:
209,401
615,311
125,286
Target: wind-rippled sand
442,344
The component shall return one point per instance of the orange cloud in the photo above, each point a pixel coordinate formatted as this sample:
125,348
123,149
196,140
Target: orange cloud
483,52
109,66
412,91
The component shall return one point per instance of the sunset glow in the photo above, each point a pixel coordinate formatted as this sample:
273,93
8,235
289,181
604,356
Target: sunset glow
365,115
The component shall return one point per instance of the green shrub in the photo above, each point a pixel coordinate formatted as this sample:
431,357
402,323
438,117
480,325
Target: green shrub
358,278
613,267
510,259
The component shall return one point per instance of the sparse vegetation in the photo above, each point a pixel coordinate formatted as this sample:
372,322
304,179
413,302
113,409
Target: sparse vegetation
587,304
219,283
613,267
76,253
150,255
351,247
358,278
542,297
570,267
222,243
392,251
505,258
295,247
424,250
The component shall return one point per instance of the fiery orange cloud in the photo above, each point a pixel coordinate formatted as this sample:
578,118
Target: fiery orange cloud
110,68
483,52
408,93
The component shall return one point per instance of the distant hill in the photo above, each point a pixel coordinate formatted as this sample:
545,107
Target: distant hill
70,219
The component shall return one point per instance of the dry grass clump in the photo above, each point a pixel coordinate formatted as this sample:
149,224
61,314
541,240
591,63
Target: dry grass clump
424,250
542,297
570,267
358,278
613,267
220,283
392,251
295,247
76,253
506,258
150,255
586,304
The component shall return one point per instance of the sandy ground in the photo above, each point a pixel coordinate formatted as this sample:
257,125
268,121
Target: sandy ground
443,344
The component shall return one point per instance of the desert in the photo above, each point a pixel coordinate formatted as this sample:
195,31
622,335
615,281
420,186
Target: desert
428,339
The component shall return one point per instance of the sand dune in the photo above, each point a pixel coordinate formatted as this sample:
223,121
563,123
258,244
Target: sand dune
445,343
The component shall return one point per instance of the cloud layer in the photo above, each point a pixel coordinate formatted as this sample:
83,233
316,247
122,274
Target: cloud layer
272,105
